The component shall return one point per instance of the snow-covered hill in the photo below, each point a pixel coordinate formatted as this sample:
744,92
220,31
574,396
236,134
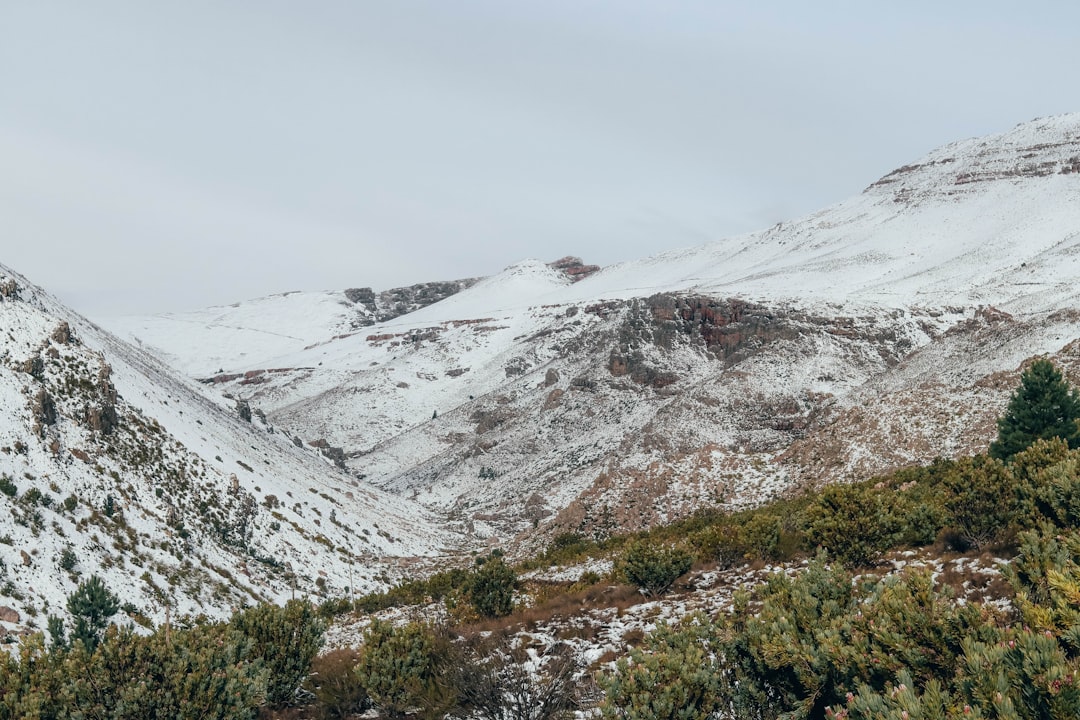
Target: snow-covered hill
116,465
877,332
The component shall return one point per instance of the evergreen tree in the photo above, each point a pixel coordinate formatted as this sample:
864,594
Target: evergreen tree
1043,407
91,605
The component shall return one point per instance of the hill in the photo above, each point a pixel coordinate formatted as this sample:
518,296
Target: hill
715,375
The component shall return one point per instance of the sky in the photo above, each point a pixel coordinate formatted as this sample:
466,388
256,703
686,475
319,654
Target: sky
160,157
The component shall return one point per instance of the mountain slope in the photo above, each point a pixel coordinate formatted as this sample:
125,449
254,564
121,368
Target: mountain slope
116,465
713,375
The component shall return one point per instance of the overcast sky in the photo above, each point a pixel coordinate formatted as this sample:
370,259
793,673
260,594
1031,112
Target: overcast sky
160,156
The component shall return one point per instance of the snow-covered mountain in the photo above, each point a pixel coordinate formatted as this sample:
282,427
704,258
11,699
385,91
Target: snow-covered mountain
114,464
881,331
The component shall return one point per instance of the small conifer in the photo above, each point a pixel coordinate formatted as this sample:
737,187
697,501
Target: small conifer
1043,407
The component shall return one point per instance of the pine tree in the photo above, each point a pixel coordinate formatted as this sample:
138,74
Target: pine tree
91,605
1043,407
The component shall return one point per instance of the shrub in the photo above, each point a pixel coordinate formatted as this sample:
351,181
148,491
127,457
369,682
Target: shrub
676,677
7,486
491,589
654,568
336,686
401,668
853,522
68,560
982,499
761,536
285,639
505,683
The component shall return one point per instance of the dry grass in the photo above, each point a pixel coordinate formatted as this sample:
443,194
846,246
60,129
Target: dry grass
552,604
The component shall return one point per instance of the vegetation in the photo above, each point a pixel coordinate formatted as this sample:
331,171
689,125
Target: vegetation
655,568
91,605
400,670
836,640
1043,407
491,588
285,640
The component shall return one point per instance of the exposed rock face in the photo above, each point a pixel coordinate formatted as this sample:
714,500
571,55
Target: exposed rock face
44,408
336,454
9,289
62,334
393,303
9,614
574,267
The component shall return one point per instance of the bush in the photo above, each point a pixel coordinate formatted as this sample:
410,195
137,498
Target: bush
982,499
7,486
286,640
401,669
504,682
336,685
760,536
491,589
853,522
676,677
68,560
653,568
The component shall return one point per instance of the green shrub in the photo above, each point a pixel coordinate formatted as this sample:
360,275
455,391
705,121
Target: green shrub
982,499
654,568
760,536
68,560
675,676
7,486
491,589
285,639
401,670
853,522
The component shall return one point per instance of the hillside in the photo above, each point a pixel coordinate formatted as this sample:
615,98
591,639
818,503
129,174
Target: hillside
715,375
115,465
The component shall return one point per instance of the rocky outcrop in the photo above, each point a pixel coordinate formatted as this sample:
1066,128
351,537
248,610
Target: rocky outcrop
393,303
574,268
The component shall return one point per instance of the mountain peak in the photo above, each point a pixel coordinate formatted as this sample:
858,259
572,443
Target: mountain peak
1040,148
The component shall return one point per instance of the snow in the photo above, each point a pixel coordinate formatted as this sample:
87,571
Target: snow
450,410
329,527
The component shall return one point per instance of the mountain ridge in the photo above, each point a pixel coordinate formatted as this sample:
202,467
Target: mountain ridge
711,375
878,333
